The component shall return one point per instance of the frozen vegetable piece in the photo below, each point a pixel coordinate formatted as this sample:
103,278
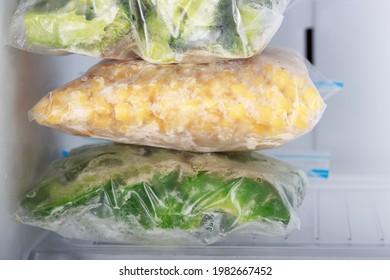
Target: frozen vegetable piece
187,30
123,193
91,27
256,103
160,31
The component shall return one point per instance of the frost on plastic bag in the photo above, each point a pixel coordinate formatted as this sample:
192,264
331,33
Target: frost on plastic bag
256,103
143,195
160,31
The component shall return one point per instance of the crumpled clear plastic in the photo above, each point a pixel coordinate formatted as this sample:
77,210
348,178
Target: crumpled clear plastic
160,31
144,195
249,104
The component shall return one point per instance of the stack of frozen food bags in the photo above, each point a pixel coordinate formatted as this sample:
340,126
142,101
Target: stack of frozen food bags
190,117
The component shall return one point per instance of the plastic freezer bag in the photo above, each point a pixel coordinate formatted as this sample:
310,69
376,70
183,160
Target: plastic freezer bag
256,103
144,195
90,27
160,31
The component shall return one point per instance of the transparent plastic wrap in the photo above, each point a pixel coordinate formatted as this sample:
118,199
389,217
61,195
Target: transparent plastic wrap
256,103
160,31
144,195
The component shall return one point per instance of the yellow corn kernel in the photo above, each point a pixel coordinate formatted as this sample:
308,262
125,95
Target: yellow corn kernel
281,79
162,108
140,101
225,123
123,95
236,111
291,92
152,90
141,115
261,130
96,84
208,128
263,114
54,117
302,117
101,106
249,96
83,112
209,103
123,112
267,94
281,103
190,106
238,89
312,99
277,122
59,99
78,97
102,121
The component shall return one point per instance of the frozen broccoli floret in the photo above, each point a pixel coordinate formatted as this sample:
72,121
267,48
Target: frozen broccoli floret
152,32
226,24
84,25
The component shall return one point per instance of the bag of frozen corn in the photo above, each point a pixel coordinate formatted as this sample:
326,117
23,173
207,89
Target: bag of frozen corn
145,195
256,103
160,31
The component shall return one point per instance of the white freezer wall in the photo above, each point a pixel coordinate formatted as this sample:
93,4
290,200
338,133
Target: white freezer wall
21,143
351,44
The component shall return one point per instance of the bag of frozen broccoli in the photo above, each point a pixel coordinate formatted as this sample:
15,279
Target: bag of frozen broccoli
160,31
90,27
143,195
256,103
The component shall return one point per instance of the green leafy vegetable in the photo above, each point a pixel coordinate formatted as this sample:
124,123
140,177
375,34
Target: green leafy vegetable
167,28
84,25
149,188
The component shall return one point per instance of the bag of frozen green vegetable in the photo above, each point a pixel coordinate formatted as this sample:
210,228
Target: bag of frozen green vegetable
143,195
99,28
160,31
198,30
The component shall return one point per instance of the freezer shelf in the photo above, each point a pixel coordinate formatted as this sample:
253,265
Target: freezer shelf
342,218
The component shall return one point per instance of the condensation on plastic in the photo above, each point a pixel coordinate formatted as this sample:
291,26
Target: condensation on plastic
160,31
143,195
256,103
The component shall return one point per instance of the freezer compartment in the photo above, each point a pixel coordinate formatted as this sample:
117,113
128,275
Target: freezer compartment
342,218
